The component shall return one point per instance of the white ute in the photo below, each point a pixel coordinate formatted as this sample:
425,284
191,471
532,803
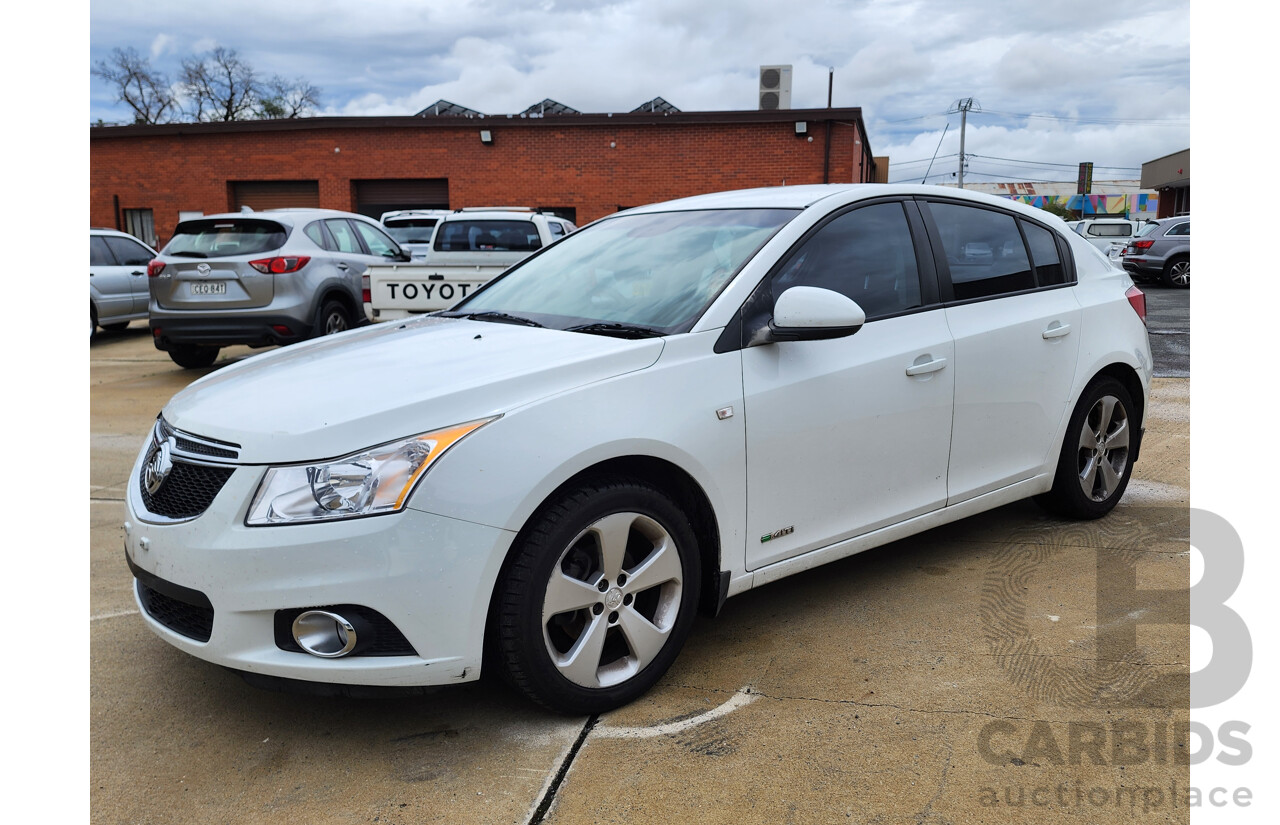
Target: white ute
468,247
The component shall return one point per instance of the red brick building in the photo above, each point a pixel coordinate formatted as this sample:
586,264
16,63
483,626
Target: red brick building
583,166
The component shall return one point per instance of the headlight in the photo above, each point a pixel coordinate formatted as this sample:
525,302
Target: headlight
372,482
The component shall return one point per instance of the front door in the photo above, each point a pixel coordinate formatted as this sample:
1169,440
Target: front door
848,435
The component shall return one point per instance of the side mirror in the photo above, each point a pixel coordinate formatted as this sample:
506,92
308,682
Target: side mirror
401,256
809,313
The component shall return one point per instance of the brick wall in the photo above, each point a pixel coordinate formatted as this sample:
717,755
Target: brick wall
591,163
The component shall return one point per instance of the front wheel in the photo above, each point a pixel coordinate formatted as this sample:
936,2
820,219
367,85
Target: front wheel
193,356
598,598
1094,466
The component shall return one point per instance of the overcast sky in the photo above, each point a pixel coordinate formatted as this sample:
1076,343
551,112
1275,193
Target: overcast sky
1057,83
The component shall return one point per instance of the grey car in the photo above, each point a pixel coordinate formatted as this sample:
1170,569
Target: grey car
261,278
1161,252
117,279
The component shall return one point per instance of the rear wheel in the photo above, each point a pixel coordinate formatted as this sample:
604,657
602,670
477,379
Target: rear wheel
1094,466
193,356
1177,273
598,598
333,318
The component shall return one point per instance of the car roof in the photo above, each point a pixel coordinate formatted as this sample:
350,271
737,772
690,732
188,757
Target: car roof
806,195
287,215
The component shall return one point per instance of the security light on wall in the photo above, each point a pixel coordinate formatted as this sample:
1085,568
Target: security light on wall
486,137
802,128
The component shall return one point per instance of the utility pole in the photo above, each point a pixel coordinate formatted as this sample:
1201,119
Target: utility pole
963,107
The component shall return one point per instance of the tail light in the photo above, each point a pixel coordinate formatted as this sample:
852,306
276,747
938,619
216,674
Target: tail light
1137,300
1139,247
279,266
365,294
155,267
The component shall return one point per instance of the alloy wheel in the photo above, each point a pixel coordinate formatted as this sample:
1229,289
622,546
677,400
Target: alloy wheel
1104,448
612,600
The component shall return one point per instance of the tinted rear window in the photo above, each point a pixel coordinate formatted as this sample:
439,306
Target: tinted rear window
410,230
225,238
488,236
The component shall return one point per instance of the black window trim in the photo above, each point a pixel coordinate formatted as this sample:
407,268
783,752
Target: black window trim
947,290
732,337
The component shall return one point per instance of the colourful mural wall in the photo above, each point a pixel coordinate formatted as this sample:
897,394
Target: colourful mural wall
1132,205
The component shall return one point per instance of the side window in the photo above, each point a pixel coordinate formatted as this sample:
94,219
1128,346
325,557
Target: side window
866,254
557,231
378,243
984,250
344,236
315,231
1044,253
128,253
99,255
1180,229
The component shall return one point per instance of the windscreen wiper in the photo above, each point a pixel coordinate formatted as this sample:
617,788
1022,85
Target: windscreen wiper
499,317
617,330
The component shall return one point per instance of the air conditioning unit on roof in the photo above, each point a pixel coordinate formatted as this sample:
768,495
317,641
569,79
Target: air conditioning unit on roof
775,87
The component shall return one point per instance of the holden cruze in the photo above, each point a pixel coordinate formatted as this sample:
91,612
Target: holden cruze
669,407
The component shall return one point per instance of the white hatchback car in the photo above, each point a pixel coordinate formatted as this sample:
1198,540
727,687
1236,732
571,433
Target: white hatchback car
669,407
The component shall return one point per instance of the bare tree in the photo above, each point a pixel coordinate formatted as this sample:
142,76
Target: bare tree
220,86
140,87
287,98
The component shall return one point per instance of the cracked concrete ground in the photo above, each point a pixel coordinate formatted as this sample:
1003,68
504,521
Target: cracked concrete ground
975,673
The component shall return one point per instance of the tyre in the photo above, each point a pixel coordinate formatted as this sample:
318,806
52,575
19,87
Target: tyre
1094,466
1177,273
333,318
598,597
193,356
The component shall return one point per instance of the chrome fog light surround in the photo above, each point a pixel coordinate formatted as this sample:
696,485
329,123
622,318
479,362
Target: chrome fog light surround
324,634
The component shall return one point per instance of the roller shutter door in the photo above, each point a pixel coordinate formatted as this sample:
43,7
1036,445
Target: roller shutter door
274,194
373,197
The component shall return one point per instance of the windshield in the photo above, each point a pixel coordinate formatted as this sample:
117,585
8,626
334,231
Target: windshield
1148,229
656,271
410,230
225,237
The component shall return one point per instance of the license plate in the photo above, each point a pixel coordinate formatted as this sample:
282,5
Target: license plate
209,288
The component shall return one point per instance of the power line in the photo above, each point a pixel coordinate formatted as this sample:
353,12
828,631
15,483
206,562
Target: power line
1099,120
1047,163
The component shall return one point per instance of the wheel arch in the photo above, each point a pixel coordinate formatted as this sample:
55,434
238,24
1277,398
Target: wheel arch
339,293
1127,376
672,480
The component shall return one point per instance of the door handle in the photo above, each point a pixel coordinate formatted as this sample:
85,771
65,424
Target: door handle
343,267
927,366
1055,330
137,272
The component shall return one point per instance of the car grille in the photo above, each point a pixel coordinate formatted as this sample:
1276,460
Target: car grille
191,620
198,467
187,492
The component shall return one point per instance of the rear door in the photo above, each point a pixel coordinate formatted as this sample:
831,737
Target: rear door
132,258
1016,324
208,264
109,283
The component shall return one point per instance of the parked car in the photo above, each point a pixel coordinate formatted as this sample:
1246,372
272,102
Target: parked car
667,408
117,279
1162,251
1109,235
412,229
468,247
261,278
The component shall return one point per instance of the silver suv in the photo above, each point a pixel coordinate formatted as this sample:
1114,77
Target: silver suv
1161,251
261,279
117,279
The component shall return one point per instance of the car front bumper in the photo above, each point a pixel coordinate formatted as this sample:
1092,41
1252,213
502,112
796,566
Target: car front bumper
431,577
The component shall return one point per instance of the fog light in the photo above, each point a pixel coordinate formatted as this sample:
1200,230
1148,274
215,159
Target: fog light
324,634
